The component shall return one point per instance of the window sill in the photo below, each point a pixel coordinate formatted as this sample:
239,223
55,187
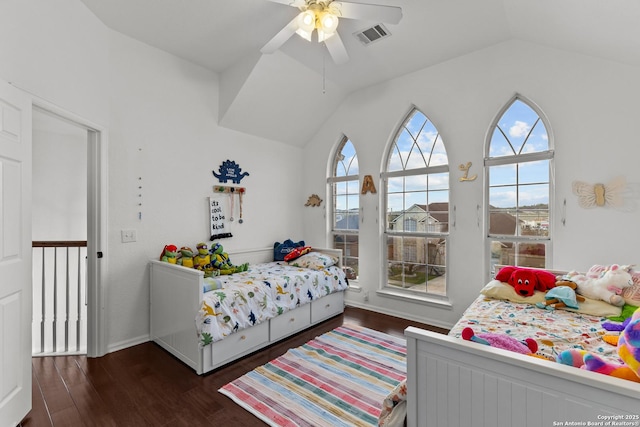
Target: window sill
426,299
353,286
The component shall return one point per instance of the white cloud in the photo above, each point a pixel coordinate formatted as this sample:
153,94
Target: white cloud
519,129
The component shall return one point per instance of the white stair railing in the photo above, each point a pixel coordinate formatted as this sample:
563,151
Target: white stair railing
59,298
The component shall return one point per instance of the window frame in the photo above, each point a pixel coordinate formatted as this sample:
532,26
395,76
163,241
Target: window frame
387,233
517,159
333,179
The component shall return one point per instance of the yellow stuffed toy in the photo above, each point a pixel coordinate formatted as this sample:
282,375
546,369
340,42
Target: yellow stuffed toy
203,258
186,260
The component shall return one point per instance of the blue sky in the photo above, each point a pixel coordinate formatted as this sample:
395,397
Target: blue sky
419,145
519,131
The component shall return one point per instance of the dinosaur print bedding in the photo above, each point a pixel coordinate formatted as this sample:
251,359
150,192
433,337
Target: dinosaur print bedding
238,301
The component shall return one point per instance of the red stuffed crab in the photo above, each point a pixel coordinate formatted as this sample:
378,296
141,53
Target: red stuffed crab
526,280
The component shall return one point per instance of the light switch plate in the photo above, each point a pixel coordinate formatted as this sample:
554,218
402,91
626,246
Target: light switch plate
128,236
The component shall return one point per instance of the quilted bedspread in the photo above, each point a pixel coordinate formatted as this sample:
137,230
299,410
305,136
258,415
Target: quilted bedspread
238,301
554,330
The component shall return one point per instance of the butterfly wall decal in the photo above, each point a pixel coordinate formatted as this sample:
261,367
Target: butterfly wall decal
600,195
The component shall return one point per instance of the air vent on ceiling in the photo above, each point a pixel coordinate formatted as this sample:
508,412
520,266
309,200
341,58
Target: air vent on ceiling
370,35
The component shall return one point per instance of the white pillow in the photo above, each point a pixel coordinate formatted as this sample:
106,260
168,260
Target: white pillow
314,261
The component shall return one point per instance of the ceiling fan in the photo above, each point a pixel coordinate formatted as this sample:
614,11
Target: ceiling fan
323,15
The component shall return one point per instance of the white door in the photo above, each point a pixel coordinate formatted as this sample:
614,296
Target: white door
15,255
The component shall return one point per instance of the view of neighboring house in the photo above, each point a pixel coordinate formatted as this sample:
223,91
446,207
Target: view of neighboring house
348,221
427,254
527,221
433,218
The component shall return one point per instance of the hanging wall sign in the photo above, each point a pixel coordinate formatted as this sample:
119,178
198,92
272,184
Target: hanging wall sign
230,171
219,226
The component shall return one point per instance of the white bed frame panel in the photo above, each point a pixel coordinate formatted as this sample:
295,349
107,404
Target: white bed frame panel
175,297
452,382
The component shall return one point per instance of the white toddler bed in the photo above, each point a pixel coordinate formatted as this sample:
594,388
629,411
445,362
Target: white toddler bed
197,321
453,382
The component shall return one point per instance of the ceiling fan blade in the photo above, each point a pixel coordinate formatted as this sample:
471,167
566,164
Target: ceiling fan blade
367,12
293,3
336,49
282,36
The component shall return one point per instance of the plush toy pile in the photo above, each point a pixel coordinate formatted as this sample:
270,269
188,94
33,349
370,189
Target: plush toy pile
606,284
212,261
628,351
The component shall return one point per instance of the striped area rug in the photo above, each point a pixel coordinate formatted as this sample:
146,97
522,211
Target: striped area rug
340,378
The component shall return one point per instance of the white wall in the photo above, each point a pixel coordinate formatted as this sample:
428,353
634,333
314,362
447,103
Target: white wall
163,130
161,116
59,179
592,107
57,51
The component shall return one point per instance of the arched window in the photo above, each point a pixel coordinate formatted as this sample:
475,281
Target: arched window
519,167
345,196
417,208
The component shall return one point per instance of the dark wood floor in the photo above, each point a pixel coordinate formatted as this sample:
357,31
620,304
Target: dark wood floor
146,386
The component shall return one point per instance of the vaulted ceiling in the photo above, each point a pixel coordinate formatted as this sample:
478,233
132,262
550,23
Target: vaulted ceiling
286,96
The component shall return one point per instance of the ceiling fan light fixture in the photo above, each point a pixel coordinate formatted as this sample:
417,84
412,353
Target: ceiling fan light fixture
306,24
323,15
327,22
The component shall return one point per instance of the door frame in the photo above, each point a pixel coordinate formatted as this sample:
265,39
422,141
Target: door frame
97,221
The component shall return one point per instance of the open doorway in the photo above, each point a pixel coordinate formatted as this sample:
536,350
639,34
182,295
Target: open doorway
59,234
67,227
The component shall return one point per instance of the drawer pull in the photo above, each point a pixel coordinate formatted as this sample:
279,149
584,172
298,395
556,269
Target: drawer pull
293,319
327,306
243,337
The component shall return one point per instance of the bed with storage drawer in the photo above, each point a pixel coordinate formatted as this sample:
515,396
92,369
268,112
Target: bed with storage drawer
209,322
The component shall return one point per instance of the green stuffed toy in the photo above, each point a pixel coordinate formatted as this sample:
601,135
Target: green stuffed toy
186,260
210,271
169,254
220,261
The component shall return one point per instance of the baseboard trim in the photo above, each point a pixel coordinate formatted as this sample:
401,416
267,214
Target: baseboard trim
427,321
128,343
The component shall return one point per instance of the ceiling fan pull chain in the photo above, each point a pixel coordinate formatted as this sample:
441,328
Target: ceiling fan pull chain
324,79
